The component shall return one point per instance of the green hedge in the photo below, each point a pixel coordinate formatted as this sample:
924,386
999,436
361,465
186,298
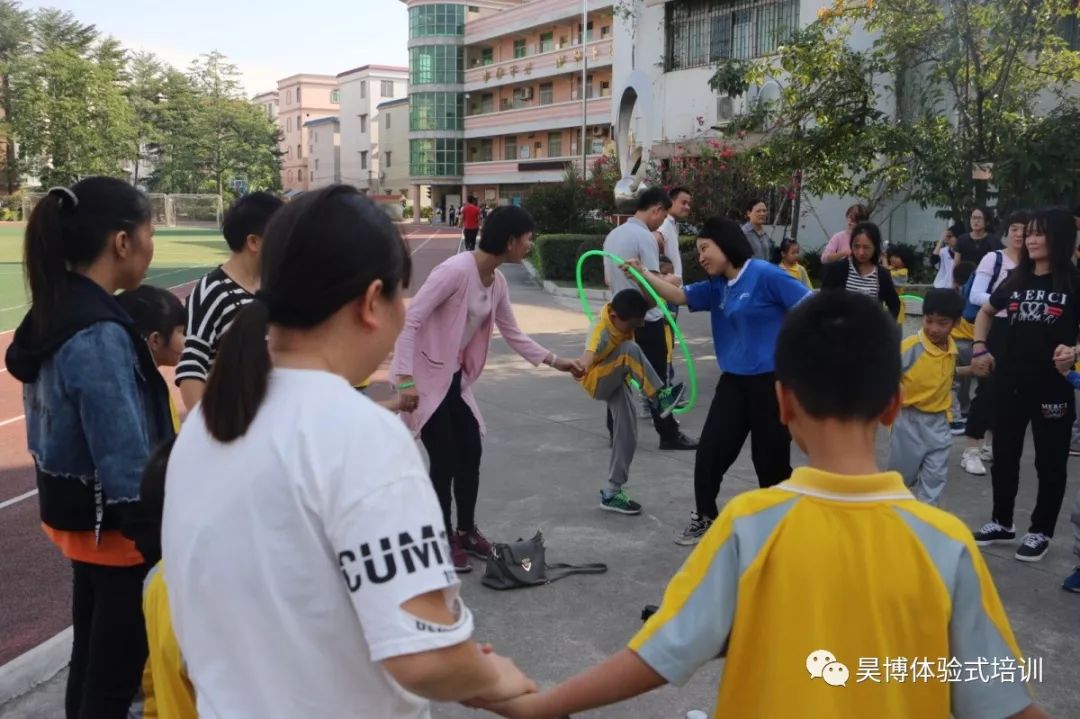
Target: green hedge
556,257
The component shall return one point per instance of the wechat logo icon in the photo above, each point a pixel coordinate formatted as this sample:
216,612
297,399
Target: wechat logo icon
822,664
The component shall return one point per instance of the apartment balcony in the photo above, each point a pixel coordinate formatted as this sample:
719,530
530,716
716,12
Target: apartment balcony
599,53
528,16
537,118
509,172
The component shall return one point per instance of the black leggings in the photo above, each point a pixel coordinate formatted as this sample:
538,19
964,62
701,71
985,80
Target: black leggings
742,405
108,650
452,440
653,342
1051,414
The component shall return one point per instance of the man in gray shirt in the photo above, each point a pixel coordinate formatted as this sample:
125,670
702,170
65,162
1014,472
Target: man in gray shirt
634,240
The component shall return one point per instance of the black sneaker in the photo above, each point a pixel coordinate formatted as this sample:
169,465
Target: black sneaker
958,427
620,503
679,442
694,531
667,399
1033,547
994,533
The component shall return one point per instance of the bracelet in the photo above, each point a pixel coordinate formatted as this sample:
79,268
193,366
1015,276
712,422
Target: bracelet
978,342
406,385
554,359
979,354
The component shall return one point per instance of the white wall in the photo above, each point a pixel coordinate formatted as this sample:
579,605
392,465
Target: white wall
353,140
669,105
324,158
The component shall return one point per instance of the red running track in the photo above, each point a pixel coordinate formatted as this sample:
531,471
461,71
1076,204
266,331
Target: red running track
35,579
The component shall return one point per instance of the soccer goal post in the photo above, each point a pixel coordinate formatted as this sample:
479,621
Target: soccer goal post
194,211
202,211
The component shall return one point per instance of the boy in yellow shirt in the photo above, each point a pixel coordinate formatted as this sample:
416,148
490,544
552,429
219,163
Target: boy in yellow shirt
814,588
921,438
614,362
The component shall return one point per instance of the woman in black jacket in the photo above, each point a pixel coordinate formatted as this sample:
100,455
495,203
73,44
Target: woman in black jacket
862,271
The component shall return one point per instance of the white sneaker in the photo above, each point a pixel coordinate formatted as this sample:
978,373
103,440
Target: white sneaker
971,461
644,411
986,453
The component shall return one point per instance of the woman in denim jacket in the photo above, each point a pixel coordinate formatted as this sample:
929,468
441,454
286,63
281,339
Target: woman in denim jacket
95,406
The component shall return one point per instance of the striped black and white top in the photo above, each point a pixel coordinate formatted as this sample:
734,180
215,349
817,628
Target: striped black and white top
211,308
863,284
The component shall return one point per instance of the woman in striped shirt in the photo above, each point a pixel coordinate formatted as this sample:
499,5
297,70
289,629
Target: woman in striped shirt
862,271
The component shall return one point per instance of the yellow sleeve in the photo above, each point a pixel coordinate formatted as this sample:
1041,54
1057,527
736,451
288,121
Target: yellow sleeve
597,333
174,696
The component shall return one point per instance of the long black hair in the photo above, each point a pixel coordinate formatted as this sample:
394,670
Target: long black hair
320,252
1060,230
872,233
68,230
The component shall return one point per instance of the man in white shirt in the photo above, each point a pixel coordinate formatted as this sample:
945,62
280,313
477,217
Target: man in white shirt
634,240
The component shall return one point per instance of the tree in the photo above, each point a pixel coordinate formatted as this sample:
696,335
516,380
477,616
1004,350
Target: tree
72,119
14,44
210,133
943,88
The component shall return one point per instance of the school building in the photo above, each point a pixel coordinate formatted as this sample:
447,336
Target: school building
302,98
500,91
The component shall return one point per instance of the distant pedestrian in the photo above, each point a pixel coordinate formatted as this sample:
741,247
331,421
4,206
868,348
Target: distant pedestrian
470,222
757,214
453,216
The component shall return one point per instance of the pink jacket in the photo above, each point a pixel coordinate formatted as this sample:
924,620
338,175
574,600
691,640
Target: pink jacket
428,345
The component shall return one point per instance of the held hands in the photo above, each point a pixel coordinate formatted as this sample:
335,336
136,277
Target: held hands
573,366
408,399
510,684
1064,358
982,365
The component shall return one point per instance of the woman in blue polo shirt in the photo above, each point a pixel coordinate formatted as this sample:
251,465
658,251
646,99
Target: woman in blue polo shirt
748,299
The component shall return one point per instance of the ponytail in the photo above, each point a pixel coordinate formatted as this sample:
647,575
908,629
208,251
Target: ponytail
44,258
68,230
238,380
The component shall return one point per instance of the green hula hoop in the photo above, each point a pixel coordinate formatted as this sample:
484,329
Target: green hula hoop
691,375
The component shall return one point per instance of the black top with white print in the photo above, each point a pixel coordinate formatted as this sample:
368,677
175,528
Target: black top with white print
1040,318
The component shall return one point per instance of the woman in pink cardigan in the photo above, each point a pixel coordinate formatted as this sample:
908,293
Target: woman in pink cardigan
442,351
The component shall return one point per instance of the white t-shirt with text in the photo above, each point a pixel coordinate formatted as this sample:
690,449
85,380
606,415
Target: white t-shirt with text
291,550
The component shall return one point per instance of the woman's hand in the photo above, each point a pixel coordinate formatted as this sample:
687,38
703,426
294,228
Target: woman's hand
1064,358
634,263
511,683
408,399
982,365
572,366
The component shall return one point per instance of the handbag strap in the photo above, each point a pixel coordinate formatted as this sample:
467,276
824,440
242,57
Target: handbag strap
555,572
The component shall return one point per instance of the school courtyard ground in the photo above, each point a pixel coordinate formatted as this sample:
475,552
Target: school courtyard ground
545,457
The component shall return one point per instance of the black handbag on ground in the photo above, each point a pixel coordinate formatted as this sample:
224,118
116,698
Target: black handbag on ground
521,564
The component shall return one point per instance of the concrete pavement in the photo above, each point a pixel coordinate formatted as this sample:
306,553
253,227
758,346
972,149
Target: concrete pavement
545,458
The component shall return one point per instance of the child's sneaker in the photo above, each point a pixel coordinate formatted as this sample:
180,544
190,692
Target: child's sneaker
994,533
668,398
1074,451
1033,547
458,556
619,502
474,543
1072,582
694,531
644,408
958,427
971,462
986,452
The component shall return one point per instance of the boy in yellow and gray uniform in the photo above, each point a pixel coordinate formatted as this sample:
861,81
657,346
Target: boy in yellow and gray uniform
921,437
613,363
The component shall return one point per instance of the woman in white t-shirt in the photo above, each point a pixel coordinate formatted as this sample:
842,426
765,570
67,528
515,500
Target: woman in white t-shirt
307,566
993,269
944,256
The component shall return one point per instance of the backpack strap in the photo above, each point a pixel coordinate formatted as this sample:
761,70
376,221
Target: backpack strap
998,259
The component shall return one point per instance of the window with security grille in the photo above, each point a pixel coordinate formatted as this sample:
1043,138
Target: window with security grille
701,32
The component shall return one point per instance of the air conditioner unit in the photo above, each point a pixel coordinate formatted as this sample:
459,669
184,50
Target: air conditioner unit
725,110
525,93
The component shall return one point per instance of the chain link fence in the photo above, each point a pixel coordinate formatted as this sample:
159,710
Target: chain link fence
201,211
